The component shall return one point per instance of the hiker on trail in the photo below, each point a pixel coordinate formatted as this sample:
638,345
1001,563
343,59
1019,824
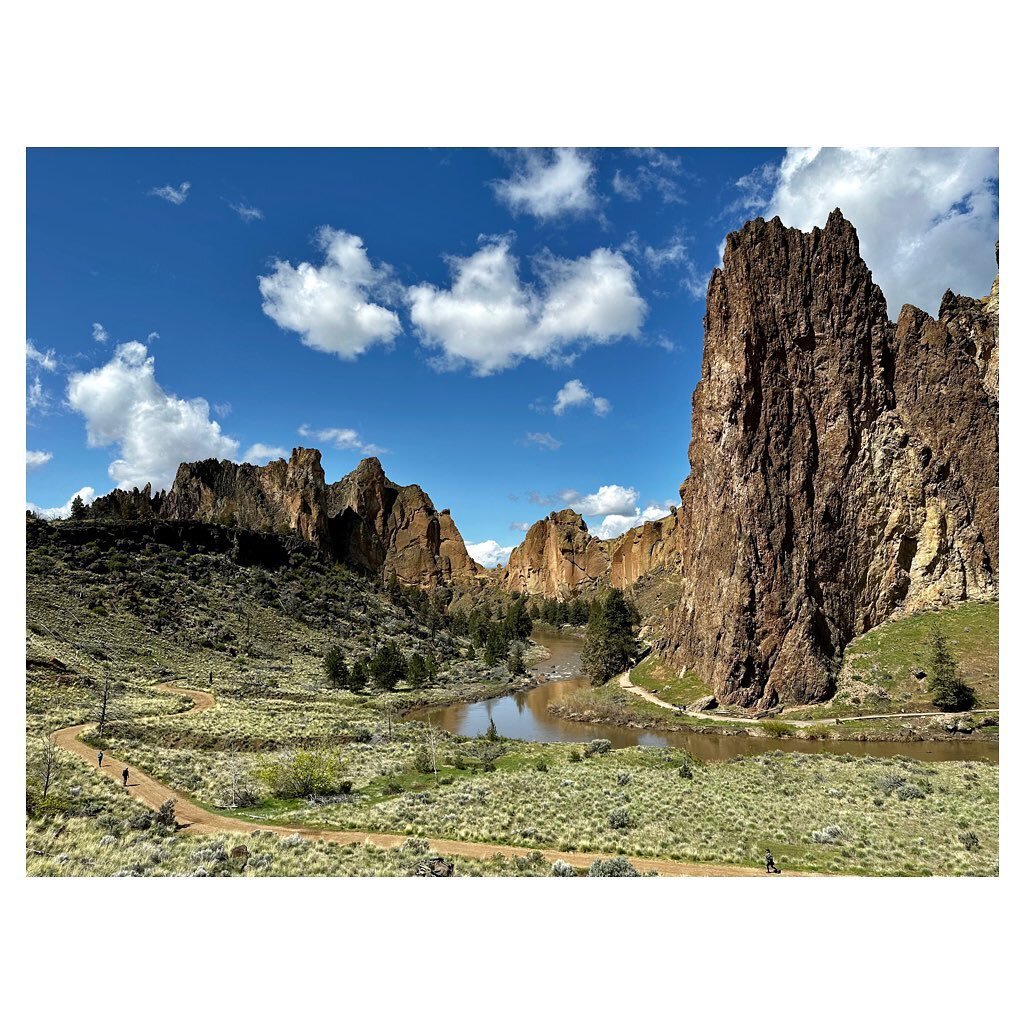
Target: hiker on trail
124,775
99,759
769,863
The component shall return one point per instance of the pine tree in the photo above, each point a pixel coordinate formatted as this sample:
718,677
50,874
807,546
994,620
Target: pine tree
611,645
516,665
417,672
949,690
335,668
358,679
388,666
77,507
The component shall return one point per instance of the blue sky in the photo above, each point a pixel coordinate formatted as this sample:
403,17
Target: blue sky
515,331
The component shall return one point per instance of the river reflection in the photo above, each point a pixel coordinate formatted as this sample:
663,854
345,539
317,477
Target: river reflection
526,716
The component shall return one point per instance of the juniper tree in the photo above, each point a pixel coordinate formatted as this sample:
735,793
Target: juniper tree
611,644
948,687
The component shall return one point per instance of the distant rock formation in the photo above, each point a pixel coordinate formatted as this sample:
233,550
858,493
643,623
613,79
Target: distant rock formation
363,520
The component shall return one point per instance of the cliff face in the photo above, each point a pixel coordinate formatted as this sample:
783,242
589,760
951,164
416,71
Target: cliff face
558,558
841,468
363,520
384,527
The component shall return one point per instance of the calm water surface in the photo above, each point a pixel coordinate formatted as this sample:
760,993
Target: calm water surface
525,716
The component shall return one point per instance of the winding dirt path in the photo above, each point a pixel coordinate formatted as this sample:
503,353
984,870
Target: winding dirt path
197,819
627,684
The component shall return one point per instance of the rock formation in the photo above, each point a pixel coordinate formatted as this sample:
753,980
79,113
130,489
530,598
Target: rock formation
384,527
842,468
363,520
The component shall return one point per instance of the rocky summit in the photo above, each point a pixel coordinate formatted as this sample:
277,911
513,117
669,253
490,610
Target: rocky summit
363,520
843,469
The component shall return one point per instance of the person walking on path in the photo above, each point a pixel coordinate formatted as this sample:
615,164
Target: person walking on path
99,759
124,775
769,864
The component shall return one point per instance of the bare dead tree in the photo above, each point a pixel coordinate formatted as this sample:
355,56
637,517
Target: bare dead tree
49,764
432,741
104,705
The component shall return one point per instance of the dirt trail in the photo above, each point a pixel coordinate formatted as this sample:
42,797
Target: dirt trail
199,820
626,683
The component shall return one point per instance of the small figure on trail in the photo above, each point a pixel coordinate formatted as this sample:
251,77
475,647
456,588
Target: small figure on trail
769,864
99,759
124,775
211,678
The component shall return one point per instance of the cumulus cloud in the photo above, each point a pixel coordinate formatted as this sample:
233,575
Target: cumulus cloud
261,454
927,218
99,333
33,460
247,213
618,524
173,195
489,553
63,511
608,499
124,406
330,306
573,393
46,360
549,184
520,527
490,320
342,437
544,441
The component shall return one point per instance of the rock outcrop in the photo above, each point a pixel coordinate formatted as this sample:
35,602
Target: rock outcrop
363,520
842,468
558,558
384,527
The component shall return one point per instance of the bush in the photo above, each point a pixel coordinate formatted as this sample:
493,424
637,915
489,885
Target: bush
890,782
829,835
613,867
910,792
165,816
596,747
623,778
561,869
305,773
619,818
969,840
422,762
686,770
574,755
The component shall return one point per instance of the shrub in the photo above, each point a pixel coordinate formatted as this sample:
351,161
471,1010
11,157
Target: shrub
623,778
969,840
910,792
596,747
165,816
829,835
305,773
561,869
890,782
574,755
422,762
686,770
613,867
619,818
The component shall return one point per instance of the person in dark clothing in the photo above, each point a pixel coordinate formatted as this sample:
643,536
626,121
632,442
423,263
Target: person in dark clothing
99,759
124,775
769,863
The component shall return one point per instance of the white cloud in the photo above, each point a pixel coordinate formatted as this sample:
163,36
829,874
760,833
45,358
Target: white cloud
655,171
63,511
99,333
261,454
489,553
123,405
490,320
246,212
607,500
222,409
330,306
521,527
33,460
549,184
151,337
37,398
544,441
342,437
927,218
618,524
47,360
574,392
173,195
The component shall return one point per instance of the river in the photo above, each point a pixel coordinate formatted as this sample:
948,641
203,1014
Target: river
526,716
